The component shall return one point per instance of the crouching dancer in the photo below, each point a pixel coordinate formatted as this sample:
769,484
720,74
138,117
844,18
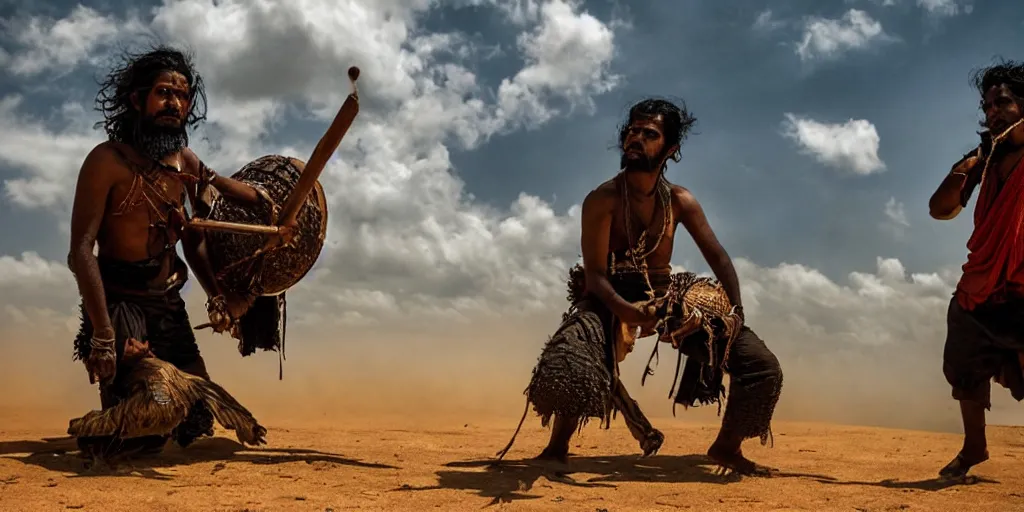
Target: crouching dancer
626,285
130,201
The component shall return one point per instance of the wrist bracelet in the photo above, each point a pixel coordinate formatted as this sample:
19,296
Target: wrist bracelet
101,344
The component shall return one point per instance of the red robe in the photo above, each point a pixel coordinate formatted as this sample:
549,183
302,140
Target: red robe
995,263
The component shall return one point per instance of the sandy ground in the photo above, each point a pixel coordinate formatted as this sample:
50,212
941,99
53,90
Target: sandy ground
446,465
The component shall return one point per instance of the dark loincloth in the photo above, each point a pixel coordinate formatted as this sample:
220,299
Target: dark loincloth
155,316
982,345
577,373
714,343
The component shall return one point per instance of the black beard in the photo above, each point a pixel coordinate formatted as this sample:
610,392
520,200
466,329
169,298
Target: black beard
638,163
156,142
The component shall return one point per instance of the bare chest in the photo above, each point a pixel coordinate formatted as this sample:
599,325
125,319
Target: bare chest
647,229
139,193
145,211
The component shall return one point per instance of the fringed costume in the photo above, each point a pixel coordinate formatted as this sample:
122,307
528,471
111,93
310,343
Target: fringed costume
577,374
148,312
158,398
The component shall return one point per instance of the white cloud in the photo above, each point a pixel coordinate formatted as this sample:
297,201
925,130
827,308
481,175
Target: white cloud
403,233
41,295
518,11
944,7
936,8
825,38
896,222
568,55
30,271
851,145
767,22
54,44
896,212
873,309
49,158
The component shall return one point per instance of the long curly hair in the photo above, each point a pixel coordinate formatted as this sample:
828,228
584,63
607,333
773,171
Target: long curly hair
1006,72
136,73
677,121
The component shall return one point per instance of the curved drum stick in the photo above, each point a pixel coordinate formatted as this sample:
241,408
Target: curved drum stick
322,153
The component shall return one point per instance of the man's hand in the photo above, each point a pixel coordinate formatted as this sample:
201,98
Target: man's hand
217,310
237,305
102,361
966,166
225,310
641,315
288,232
737,311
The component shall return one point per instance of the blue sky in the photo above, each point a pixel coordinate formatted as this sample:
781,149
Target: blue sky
769,203
823,128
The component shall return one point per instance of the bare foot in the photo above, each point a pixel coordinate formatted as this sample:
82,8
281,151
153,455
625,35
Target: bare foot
549,455
734,460
652,443
962,463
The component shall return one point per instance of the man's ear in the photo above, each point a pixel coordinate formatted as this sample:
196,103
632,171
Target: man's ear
673,152
134,98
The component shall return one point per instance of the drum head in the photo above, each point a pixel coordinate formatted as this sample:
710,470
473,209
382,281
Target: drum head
231,254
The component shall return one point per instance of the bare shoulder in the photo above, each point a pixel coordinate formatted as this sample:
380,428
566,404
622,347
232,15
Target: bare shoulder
193,165
683,200
104,152
104,162
601,199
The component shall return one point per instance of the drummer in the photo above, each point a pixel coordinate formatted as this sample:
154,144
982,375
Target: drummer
130,200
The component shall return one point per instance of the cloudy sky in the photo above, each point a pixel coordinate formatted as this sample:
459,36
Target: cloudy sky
823,128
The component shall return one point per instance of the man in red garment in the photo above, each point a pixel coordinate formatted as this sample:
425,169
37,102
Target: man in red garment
985,321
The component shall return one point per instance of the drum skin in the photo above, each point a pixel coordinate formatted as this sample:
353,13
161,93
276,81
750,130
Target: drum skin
231,254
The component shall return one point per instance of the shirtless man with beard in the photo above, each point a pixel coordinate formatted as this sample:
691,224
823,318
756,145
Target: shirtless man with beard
130,202
628,231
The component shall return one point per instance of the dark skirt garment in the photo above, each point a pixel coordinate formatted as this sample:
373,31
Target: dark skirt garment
155,316
981,345
576,376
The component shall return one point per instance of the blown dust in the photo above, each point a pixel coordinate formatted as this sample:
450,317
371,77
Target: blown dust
386,419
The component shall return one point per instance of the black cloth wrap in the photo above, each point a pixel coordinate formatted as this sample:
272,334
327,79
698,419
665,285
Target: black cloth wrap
983,344
154,316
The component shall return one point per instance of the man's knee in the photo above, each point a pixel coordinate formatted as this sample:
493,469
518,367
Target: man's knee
751,358
770,363
965,386
981,394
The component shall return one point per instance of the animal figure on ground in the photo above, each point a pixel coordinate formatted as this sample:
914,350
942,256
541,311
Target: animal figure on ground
159,398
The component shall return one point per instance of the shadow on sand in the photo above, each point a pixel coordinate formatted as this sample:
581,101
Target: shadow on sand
507,481
61,454
932,484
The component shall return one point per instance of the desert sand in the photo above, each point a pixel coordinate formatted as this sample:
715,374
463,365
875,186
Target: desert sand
411,421
393,464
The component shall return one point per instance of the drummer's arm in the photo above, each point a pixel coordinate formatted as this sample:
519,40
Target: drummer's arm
226,186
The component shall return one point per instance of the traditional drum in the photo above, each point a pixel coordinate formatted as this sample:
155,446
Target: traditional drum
242,265
248,263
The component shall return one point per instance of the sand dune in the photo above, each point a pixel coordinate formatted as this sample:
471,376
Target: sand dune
390,464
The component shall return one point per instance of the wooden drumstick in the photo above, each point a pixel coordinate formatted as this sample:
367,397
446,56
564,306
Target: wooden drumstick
322,153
